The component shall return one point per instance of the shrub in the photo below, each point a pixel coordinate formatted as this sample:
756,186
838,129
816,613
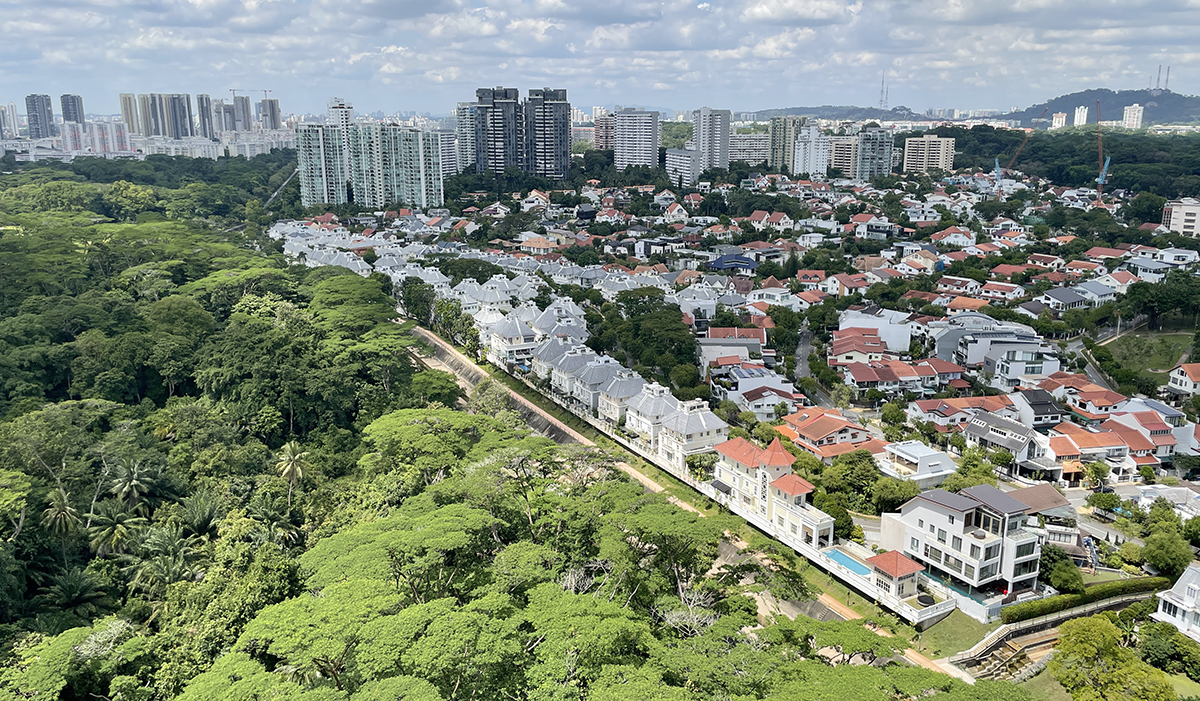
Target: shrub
1096,592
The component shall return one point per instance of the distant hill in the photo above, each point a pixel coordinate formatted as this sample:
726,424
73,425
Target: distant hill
846,112
1162,107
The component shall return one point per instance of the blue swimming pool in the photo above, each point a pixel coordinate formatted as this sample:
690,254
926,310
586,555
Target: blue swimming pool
848,562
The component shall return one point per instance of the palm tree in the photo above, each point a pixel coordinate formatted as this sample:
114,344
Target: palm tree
75,591
277,525
113,527
61,519
165,555
200,513
292,461
132,483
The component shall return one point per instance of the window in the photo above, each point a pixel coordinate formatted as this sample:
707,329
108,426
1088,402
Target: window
933,554
992,552
988,572
951,519
969,571
931,528
920,523
914,544
1191,592
956,543
1025,550
1170,609
941,536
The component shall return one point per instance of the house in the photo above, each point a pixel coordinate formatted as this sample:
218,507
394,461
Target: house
997,433
843,285
810,279
914,461
954,236
952,414
1095,293
959,285
1045,260
976,538
1118,280
759,484
1037,408
1001,292
1083,268
664,198
895,574
675,213
536,198
825,434
1185,379
1054,520
735,264
1180,606
538,245
1061,300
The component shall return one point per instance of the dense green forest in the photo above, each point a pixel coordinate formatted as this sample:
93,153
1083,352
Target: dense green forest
226,477
1164,165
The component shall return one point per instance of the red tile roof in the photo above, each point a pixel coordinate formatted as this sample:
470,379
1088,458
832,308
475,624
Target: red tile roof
894,564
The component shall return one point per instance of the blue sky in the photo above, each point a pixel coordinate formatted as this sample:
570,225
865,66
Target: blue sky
744,55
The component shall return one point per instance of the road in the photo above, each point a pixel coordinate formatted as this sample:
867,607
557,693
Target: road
1098,528
803,350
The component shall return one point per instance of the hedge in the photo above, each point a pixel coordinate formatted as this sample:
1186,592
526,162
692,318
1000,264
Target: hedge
1096,592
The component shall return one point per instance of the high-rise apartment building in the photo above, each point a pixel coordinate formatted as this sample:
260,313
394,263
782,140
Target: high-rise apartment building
547,133
1058,120
1182,216
749,148
243,120
929,152
499,130
710,137
874,153
95,137
4,132
783,134
152,110
72,108
448,145
598,112
605,134
341,114
388,163
129,113
843,154
321,159
1081,115
635,137
683,166
464,132
1133,116
179,116
204,117
39,113
12,122
811,153
269,116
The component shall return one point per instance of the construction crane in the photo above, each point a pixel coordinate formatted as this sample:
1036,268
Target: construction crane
1100,159
1024,141
264,92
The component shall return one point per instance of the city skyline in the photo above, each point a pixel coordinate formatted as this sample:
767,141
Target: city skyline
423,57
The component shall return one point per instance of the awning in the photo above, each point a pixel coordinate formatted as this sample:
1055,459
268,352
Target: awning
721,487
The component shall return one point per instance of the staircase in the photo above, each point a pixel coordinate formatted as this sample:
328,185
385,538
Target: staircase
1007,660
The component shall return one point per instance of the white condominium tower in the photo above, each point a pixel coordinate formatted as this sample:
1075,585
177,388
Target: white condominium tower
635,138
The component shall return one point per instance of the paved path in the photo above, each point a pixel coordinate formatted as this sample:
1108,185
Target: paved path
646,481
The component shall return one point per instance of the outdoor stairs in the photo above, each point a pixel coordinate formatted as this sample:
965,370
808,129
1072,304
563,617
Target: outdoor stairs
1007,661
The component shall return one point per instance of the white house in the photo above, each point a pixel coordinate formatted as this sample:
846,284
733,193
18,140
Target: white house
914,461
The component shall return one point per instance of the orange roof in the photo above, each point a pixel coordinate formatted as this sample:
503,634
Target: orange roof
1192,370
894,564
776,455
1063,447
739,450
793,485
966,303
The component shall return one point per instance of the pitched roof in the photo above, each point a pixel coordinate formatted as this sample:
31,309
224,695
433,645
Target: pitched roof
776,455
793,485
894,564
1040,497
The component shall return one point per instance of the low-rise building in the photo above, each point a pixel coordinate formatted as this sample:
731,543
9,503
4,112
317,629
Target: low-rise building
914,461
1180,605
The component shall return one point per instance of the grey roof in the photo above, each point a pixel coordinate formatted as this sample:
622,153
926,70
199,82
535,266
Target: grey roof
693,422
1065,295
653,405
1041,401
550,350
995,499
1012,443
1095,288
626,384
599,373
951,501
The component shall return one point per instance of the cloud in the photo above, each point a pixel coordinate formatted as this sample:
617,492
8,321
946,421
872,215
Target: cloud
740,54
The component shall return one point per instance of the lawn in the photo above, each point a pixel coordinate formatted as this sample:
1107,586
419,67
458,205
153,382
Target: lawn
1045,687
1155,353
952,635
1183,686
1101,577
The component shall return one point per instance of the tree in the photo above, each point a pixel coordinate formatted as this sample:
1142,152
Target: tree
436,386
126,200
1104,501
291,463
892,413
1167,552
1091,664
889,493
60,518
1066,578
1097,472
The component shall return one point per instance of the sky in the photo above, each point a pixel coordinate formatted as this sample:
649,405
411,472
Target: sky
744,55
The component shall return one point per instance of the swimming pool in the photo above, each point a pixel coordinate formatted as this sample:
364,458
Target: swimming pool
848,562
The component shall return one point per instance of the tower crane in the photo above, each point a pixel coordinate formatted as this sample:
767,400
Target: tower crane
1024,141
1101,160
